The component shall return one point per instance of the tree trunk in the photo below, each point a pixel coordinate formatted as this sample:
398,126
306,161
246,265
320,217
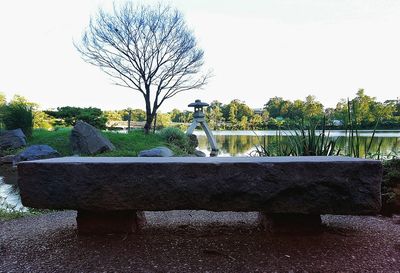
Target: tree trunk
149,122
149,114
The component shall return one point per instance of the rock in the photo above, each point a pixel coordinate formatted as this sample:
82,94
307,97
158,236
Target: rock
12,139
193,141
157,152
35,152
274,185
8,159
199,153
86,139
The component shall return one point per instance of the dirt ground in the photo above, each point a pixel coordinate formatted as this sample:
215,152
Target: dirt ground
186,241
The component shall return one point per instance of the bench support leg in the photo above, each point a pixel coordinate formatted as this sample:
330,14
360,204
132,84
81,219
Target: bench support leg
107,222
288,223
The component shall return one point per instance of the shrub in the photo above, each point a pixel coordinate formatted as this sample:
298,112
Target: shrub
18,115
391,187
176,137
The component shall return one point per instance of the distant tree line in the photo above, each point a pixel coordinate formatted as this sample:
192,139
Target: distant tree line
366,113
280,113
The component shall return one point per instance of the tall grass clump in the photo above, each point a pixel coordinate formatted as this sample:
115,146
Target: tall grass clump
353,145
276,148
305,140
16,115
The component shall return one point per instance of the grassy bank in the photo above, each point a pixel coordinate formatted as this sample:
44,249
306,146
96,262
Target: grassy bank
126,144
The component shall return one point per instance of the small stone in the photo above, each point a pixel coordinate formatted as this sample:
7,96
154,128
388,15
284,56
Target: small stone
157,152
199,153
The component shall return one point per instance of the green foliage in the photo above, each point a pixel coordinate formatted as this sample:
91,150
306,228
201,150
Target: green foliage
353,145
18,114
113,115
123,115
162,120
277,148
70,115
43,121
278,113
214,115
3,99
177,138
307,141
369,112
391,187
304,141
6,215
237,113
292,113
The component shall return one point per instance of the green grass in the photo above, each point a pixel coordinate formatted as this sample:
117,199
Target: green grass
58,139
6,215
126,144
132,143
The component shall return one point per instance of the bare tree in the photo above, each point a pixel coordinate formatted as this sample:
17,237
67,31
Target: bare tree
148,49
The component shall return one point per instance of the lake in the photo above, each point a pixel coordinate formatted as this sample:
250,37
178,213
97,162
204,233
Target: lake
242,143
230,143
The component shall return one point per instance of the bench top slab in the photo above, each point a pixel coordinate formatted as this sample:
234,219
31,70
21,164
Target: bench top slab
305,185
207,160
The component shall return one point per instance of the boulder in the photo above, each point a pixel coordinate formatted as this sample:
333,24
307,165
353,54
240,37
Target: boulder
35,152
12,139
86,139
157,152
199,153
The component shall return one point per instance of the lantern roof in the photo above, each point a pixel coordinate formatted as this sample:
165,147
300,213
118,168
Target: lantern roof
198,103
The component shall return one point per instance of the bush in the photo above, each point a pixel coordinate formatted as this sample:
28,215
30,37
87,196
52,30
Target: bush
176,137
391,187
18,115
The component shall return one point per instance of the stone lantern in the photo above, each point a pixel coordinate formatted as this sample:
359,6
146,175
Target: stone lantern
198,119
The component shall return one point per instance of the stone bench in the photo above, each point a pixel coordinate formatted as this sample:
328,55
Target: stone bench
110,192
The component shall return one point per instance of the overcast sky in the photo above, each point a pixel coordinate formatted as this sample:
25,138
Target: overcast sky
257,49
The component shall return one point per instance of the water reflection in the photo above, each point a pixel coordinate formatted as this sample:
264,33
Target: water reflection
9,197
242,143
